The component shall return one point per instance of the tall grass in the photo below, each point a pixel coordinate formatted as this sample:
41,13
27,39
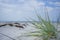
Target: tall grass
46,29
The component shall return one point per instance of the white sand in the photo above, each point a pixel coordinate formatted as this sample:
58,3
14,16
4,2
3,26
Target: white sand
14,32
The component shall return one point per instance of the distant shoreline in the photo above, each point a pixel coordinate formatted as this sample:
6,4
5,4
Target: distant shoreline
23,21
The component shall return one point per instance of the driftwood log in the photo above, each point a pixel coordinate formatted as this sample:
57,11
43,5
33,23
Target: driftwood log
3,25
14,24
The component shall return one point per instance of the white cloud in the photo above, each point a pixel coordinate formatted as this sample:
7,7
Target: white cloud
53,13
55,3
11,12
21,0
21,9
49,9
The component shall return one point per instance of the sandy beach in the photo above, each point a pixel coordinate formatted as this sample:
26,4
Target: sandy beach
13,33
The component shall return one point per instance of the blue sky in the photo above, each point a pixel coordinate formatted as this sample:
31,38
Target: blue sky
18,10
